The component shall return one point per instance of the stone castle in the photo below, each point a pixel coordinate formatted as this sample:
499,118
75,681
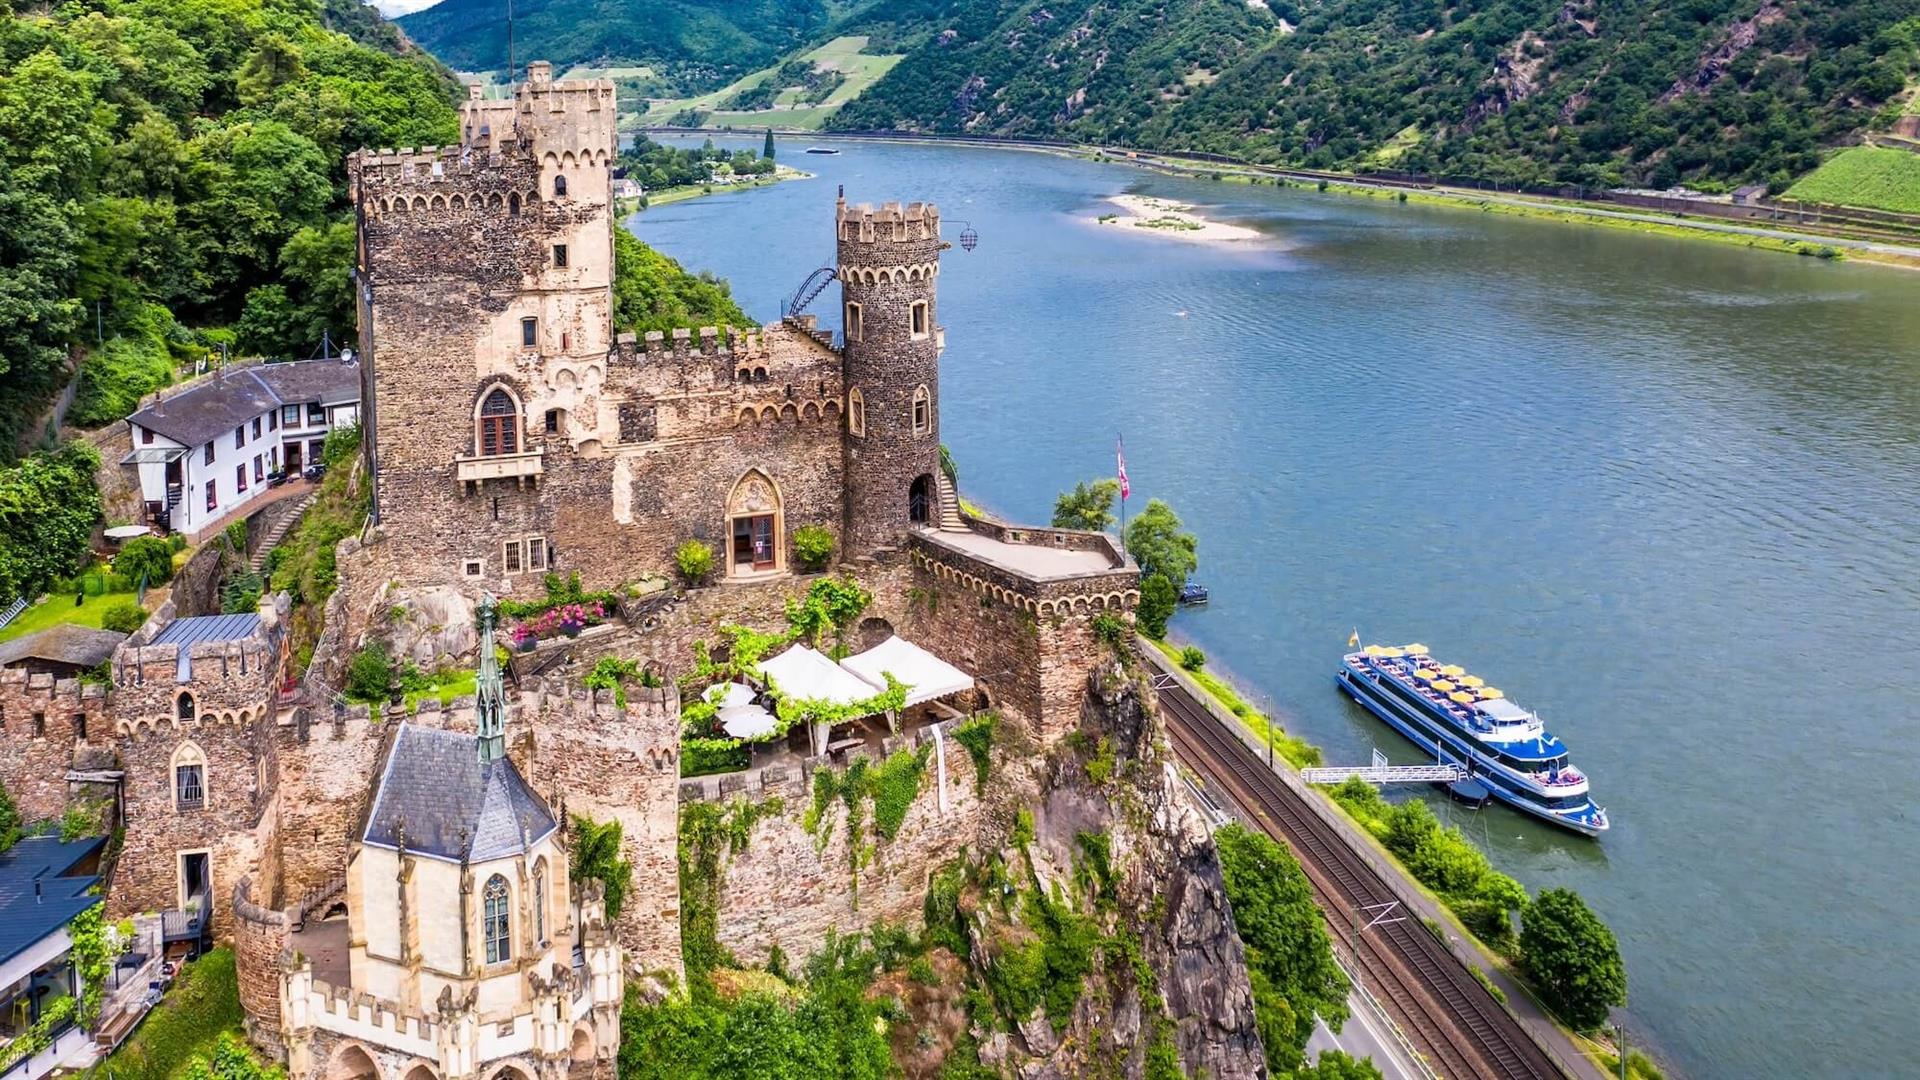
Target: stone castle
511,432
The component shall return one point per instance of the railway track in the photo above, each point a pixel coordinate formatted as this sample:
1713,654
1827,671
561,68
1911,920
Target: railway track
1452,1019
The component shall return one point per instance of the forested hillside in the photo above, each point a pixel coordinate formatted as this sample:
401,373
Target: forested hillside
689,46
1593,91
172,180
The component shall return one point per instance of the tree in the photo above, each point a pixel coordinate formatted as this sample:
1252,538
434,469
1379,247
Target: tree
1161,546
145,559
596,857
9,820
1158,598
766,149
231,1061
1289,960
653,292
1335,1065
1572,958
1088,506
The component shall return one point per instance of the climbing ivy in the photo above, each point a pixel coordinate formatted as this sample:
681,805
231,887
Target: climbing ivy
91,960
976,734
708,832
891,786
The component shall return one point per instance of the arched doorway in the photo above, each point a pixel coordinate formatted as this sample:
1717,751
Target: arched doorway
582,1047
420,1071
352,1062
754,526
920,499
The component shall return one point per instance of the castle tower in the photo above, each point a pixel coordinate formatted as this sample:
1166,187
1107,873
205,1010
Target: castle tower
888,262
485,273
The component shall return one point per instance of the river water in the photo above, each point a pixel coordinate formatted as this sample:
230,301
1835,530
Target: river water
1661,491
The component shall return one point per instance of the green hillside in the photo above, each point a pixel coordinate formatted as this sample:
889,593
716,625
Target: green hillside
1882,179
1595,91
688,46
799,93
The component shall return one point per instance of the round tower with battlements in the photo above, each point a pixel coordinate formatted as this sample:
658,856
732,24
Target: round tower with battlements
888,261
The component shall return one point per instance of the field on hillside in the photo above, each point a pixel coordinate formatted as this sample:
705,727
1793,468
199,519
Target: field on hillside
1868,176
841,54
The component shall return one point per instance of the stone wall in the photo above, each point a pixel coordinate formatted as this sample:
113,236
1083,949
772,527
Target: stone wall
328,764
260,935
43,725
786,889
607,763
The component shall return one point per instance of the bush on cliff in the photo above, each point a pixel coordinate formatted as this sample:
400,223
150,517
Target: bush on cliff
813,547
202,1007
653,292
145,557
123,616
695,560
1289,960
370,674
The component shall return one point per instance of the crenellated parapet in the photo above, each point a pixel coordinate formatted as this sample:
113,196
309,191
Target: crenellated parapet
890,223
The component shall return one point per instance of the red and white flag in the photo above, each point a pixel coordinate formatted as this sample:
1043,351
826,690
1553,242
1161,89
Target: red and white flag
1120,453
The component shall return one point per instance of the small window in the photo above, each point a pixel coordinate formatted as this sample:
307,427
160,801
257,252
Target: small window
259,468
566,341
922,411
240,436
536,554
474,568
273,420
146,436
510,553
290,415
39,725
539,901
206,455
189,787
553,421
856,413
919,310
529,332
80,726
560,255
513,205
854,321
559,186
213,500
183,707
256,427
239,478
316,413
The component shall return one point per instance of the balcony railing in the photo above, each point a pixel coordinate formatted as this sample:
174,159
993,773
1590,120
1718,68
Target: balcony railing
524,467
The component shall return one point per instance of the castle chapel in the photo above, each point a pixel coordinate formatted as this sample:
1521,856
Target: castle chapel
396,885
513,431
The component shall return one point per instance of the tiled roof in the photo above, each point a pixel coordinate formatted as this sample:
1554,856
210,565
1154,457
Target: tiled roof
204,412
27,916
437,797
189,632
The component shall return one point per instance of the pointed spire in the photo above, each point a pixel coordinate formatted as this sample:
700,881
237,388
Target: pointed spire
490,696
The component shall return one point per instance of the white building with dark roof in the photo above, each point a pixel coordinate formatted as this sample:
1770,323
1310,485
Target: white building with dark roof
208,450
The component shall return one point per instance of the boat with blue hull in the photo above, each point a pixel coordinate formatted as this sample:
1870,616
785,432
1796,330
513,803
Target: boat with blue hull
1462,721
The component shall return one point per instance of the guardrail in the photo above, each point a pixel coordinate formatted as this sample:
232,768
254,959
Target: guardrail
12,611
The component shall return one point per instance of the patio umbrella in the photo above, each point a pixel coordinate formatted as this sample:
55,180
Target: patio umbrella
1416,649
1442,685
1376,650
1472,680
728,695
1453,669
1389,653
1491,692
1462,697
747,722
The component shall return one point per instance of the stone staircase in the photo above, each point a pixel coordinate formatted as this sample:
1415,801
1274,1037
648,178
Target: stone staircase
281,526
950,520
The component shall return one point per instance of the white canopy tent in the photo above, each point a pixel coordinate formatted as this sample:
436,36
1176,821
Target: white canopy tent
926,676
747,722
801,672
729,695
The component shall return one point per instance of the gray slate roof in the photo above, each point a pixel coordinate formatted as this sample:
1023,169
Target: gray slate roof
26,918
435,792
81,646
215,407
191,631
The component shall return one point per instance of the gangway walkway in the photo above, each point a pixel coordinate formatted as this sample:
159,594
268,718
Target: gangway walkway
1385,774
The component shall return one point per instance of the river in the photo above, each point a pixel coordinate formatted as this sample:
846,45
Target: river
1661,491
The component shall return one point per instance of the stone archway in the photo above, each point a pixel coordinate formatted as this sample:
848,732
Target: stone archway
756,526
420,1071
351,1061
872,631
581,1048
920,500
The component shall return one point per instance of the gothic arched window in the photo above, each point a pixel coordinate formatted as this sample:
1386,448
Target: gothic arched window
922,411
559,186
497,921
539,900
856,413
183,707
499,424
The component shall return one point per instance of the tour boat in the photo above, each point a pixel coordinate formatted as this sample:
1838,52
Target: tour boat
821,150
1462,721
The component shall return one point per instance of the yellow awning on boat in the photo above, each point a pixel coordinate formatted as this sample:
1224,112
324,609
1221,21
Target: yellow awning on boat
1376,650
1491,692
1390,653
1462,697
1416,649
1453,669
1472,680
1442,685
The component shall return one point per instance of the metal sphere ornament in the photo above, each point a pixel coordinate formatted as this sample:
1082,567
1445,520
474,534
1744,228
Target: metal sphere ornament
969,239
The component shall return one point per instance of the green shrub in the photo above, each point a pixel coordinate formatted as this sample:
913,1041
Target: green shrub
202,1005
122,617
370,673
695,560
1192,659
176,542
1111,629
1158,598
704,757
341,445
813,547
1289,959
976,734
237,536
146,557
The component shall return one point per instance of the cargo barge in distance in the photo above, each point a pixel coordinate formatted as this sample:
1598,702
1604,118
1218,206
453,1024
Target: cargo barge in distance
1464,722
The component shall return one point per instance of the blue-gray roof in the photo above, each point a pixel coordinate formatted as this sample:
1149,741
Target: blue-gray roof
437,796
189,632
207,410
27,918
